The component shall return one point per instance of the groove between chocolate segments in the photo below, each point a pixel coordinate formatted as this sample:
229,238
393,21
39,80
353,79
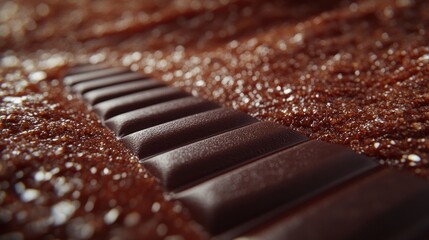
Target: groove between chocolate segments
79,69
382,205
234,173
201,159
174,134
86,86
91,75
123,104
106,93
288,177
139,119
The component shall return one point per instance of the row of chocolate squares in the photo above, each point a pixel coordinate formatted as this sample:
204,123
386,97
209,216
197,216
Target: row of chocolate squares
242,177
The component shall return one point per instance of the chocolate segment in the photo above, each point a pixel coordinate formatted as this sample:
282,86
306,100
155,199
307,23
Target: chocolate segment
86,86
407,220
204,158
364,209
284,178
86,76
85,68
137,100
143,118
167,136
102,94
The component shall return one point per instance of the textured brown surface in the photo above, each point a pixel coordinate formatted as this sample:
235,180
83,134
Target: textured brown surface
350,73
64,175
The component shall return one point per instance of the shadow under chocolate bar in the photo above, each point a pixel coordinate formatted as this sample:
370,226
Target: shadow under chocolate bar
243,178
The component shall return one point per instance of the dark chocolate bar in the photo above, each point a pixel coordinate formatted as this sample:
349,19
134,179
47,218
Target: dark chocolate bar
241,177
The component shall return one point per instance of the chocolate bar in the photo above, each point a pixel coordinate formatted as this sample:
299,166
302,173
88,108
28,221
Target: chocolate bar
241,177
